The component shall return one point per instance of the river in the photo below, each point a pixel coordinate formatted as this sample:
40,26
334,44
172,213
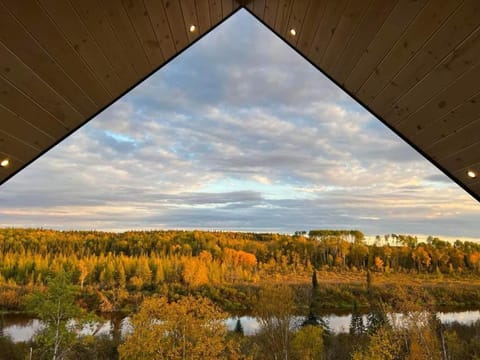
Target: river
19,327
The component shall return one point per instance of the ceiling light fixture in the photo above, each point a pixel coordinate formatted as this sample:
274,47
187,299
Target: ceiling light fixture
471,174
293,32
4,163
192,28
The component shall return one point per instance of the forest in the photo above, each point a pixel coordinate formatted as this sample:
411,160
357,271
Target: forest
276,278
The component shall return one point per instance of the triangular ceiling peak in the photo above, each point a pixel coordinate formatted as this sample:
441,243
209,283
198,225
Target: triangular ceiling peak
415,65
237,133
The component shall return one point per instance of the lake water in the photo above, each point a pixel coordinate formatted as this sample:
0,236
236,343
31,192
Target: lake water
22,328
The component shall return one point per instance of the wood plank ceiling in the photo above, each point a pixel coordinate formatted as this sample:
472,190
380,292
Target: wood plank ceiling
414,64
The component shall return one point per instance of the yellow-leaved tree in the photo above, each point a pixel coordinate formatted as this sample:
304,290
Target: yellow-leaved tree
190,328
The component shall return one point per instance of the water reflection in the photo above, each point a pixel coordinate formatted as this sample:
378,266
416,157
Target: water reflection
22,331
22,328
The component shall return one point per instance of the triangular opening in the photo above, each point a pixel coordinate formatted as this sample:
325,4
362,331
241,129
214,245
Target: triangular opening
238,133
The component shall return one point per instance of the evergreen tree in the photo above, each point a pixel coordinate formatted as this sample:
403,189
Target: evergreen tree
356,324
311,319
376,319
314,320
238,328
369,282
314,280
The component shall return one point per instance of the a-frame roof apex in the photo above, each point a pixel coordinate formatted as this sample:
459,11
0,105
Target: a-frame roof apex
413,64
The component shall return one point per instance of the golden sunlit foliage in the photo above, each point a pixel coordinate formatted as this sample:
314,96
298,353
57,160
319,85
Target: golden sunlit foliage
307,343
119,266
189,328
274,310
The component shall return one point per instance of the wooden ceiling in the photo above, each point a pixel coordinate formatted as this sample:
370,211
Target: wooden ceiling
413,64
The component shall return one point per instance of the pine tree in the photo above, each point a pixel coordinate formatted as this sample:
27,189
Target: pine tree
314,280
376,319
356,324
238,328
311,319
369,282
314,320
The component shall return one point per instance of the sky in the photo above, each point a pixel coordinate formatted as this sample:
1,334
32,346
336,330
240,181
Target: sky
238,133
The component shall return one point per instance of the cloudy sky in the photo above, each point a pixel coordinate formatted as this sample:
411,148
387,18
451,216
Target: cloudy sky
238,133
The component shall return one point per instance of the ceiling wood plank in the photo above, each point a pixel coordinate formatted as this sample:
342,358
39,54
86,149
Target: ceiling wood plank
125,32
27,81
227,7
372,21
271,9
215,11
428,99
449,124
461,175
17,127
425,24
327,29
161,28
458,27
203,15
189,11
19,42
20,104
465,88
258,8
463,138
475,188
93,16
462,159
312,21
78,37
349,21
40,26
140,20
21,150
398,21
177,24
14,166
297,17
283,14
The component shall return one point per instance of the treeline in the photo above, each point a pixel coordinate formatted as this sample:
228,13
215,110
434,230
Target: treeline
135,261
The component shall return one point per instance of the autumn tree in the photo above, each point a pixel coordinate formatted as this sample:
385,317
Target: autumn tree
382,345
83,272
274,311
413,335
62,318
190,328
195,272
307,343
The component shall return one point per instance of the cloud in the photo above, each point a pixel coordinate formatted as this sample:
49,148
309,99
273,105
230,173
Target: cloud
237,133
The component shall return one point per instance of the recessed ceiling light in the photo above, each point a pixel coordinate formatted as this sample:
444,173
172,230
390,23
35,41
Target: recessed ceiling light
4,163
192,28
471,174
293,32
